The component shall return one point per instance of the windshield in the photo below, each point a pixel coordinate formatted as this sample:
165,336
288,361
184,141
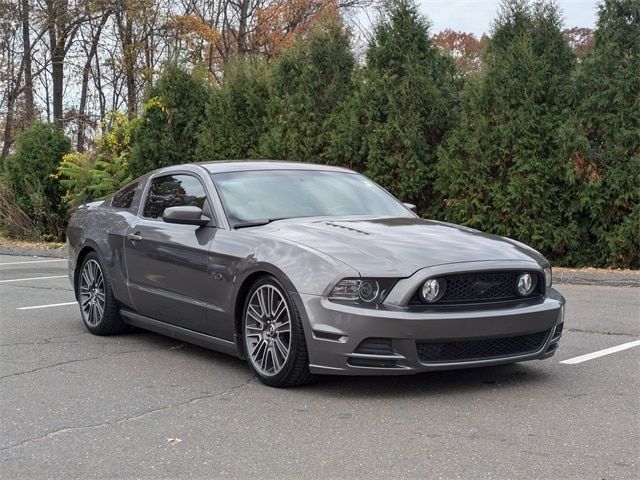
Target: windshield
274,194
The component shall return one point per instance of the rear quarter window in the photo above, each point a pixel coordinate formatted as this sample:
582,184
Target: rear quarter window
124,198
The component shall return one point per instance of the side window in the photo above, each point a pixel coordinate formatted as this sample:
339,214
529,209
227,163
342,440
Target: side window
173,191
123,198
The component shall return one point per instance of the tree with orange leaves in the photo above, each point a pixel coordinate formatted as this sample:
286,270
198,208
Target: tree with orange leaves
465,48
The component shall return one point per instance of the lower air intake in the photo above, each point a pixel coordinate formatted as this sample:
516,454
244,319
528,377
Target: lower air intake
372,363
375,346
434,352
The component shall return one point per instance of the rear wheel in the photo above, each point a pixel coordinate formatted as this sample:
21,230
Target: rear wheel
98,307
273,336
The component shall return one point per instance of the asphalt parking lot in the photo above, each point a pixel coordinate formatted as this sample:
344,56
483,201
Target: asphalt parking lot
141,405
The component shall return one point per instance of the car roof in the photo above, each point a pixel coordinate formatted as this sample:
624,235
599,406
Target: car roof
249,165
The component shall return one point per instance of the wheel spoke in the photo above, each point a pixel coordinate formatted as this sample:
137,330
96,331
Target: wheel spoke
100,310
263,360
281,347
276,360
253,313
91,273
262,303
280,325
254,353
280,309
267,302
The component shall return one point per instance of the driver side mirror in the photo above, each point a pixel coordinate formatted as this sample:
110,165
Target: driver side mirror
411,207
185,215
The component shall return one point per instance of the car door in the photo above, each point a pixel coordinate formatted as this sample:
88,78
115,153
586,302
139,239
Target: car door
167,264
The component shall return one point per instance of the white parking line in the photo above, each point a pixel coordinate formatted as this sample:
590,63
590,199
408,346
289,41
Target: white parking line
35,261
32,278
47,306
601,353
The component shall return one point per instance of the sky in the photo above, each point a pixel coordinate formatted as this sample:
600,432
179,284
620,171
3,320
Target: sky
475,16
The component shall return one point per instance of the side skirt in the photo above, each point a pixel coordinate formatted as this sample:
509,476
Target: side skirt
179,333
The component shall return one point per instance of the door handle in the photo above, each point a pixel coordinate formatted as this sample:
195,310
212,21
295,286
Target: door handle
135,237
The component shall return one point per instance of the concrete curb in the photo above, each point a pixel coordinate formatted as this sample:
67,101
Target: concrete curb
592,276
34,252
561,276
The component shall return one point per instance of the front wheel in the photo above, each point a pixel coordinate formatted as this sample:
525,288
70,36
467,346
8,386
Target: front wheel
98,307
273,336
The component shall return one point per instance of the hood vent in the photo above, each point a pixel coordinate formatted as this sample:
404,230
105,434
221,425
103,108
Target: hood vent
348,228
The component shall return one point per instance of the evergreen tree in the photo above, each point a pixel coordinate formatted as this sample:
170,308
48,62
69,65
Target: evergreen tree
235,116
504,169
610,114
407,102
307,83
168,126
346,128
30,172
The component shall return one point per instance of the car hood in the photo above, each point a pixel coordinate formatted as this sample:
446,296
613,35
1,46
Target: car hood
399,246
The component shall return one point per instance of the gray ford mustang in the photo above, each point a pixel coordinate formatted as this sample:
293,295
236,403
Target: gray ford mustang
307,269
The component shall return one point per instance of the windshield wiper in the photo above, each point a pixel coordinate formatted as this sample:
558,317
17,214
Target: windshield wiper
257,223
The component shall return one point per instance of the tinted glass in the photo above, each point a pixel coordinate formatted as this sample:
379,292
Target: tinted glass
173,191
124,197
259,195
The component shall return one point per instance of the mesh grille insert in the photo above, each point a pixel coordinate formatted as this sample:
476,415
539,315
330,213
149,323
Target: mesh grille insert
432,352
481,287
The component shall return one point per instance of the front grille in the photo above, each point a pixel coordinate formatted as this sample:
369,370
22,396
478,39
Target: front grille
480,287
434,352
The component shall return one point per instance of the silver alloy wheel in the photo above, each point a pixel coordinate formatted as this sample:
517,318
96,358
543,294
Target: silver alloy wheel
92,297
267,330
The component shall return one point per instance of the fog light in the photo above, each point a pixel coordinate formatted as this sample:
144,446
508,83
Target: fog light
368,290
525,284
432,290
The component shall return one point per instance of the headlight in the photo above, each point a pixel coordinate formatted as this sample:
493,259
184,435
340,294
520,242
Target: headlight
525,284
547,277
368,290
361,290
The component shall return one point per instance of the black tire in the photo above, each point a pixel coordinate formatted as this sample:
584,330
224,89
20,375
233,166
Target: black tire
109,322
295,370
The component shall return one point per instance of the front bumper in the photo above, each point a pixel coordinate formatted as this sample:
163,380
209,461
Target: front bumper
334,332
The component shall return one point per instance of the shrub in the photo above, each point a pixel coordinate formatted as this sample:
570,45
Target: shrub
88,177
13,221
30,172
